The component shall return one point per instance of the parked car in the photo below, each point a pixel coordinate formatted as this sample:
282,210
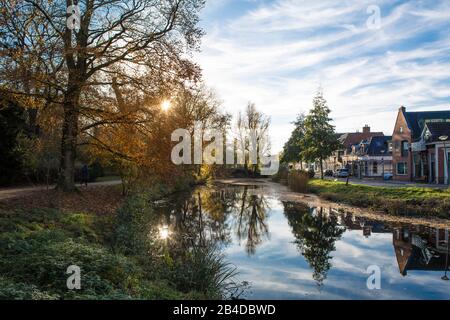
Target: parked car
388,176
329,173
342,173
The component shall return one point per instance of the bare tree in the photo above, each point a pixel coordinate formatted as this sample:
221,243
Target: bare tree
253,125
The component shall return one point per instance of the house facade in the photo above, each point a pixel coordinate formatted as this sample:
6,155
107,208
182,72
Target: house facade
342,158
418,153
371,158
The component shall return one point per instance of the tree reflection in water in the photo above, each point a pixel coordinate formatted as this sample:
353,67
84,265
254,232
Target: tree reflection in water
208,217
316,234
218,216
197,220
250,215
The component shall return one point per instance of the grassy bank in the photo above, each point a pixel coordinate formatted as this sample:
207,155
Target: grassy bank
396,201
120,253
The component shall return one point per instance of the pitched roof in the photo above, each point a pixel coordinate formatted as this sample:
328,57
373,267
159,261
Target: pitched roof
379,144
352,138
438,129
417,120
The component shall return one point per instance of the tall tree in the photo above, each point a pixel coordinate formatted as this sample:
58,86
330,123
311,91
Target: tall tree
68,47
319,140
292,149
252,125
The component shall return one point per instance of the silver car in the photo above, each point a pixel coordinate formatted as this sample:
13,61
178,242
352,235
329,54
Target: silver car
342,173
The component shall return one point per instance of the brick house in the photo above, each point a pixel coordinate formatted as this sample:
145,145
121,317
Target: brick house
418,154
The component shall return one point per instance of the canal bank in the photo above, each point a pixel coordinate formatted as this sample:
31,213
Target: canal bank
315,199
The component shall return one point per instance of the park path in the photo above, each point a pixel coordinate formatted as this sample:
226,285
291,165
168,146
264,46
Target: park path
18,192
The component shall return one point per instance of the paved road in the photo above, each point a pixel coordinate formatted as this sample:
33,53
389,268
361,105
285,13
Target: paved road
10,193
391,184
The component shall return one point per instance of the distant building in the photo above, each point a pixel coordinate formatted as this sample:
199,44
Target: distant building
372,157
343,158
418,154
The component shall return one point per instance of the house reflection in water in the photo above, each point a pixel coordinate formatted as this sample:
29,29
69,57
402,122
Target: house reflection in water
416,247
420,248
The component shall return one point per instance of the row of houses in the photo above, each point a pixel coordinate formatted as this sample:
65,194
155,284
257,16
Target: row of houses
416,151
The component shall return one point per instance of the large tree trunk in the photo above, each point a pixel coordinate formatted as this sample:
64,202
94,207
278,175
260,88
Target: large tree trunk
69,141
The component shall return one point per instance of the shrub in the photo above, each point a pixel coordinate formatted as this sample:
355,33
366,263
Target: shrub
133,226
298,181
311,173
41,258
282,174
21,291
204,270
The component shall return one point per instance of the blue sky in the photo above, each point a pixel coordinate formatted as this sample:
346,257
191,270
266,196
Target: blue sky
277,53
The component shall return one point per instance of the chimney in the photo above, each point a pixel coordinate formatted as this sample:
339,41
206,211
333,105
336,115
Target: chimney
366,129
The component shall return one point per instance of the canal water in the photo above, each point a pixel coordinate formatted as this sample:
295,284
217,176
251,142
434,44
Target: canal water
287,250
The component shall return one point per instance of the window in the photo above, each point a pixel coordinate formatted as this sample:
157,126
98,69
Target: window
375,168
405,148
401,130
402,169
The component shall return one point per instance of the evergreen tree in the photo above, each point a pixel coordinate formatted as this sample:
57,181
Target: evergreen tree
292,148
319,139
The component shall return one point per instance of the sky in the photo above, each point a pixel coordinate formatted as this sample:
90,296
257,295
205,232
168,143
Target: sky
369,56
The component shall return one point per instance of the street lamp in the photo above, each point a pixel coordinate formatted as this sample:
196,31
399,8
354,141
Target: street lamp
445,278
443,139
382,160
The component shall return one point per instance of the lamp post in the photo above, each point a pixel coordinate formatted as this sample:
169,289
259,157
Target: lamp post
443,139
445,278
382,160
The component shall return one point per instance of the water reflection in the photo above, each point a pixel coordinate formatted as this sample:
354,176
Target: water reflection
287,249
249,221
316,233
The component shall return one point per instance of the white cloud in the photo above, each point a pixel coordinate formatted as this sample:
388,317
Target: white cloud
277,53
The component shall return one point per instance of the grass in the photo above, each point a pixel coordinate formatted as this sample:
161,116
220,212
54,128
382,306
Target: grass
37,246
118,252
396,201
108,179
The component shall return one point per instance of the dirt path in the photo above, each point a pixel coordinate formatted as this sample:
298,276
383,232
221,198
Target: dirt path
281,192
11,193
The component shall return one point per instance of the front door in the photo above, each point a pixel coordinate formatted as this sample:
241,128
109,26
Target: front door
432,168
